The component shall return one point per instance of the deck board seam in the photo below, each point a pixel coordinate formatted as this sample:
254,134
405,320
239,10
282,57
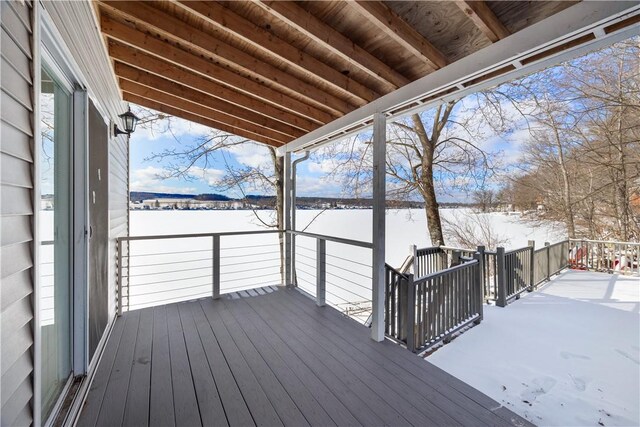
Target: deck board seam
346,386
136,315
196,307
253,368
341,341
241,356
278,311
209,366
186,349
277,355
334,318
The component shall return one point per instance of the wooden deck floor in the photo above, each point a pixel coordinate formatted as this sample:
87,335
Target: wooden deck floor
271,359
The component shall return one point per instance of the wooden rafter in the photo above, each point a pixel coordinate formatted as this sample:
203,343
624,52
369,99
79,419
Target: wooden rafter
245,105
177,90
484,18
197,109
168,109
392,25
146,16
158,48
323,34
237,26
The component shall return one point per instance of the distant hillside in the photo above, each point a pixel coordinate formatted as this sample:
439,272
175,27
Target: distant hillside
269,201
138,196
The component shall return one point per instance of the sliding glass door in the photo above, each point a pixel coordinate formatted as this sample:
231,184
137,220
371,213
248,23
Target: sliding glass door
56,226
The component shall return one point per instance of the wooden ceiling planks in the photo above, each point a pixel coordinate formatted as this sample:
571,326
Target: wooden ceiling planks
163,107
396,28
227,20
272,71
484,18
150,18
146,43
334,41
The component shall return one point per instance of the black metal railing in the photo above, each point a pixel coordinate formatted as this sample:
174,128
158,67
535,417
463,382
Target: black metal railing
518,267
424,311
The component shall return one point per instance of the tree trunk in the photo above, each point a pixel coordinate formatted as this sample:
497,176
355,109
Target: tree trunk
427,187
566,185
434,224
278,166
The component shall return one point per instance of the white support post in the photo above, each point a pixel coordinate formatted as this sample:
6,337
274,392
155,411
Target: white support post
288,241
378,258
215,256
321,272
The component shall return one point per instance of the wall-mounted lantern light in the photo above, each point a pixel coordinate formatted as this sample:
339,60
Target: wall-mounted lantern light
130,122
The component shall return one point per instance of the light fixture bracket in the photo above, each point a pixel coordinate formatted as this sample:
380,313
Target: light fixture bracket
130,122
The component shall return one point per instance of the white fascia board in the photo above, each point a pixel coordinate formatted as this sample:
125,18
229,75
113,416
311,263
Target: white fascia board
575,21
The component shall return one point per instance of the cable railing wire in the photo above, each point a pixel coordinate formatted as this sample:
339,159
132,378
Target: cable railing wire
133,295
252,269
250,262
349,271
166,263
168,253
249,246
349,260
245,255
170,271
347,280
171,280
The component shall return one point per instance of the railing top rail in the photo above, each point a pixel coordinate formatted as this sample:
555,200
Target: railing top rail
451,248
429,249
445,272
558,243
333,239
513,251
605,241
187,236
388,267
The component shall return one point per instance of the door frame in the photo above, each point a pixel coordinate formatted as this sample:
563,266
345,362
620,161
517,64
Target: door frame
50,50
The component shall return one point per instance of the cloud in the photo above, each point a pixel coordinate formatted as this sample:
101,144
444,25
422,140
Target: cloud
252,155
166,126
209,176
321,166
150,179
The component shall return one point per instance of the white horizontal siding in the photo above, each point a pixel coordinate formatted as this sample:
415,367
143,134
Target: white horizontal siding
16,215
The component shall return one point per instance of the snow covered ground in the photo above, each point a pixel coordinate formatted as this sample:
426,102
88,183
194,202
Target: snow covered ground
565,355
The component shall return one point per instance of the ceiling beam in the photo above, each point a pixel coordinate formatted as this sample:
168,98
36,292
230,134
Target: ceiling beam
569,24
330,39
197,109
151,45
173,111
484,18
231,23
144,15
171,88
392,25
286,123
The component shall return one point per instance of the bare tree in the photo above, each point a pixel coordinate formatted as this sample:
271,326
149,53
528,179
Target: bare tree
192,162
583,156
471,230
435,152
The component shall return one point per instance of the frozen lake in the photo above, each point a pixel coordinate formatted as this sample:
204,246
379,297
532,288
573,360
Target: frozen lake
252,261
168,270
405,227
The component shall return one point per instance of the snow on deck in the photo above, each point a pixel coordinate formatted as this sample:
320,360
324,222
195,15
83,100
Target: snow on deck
567,354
